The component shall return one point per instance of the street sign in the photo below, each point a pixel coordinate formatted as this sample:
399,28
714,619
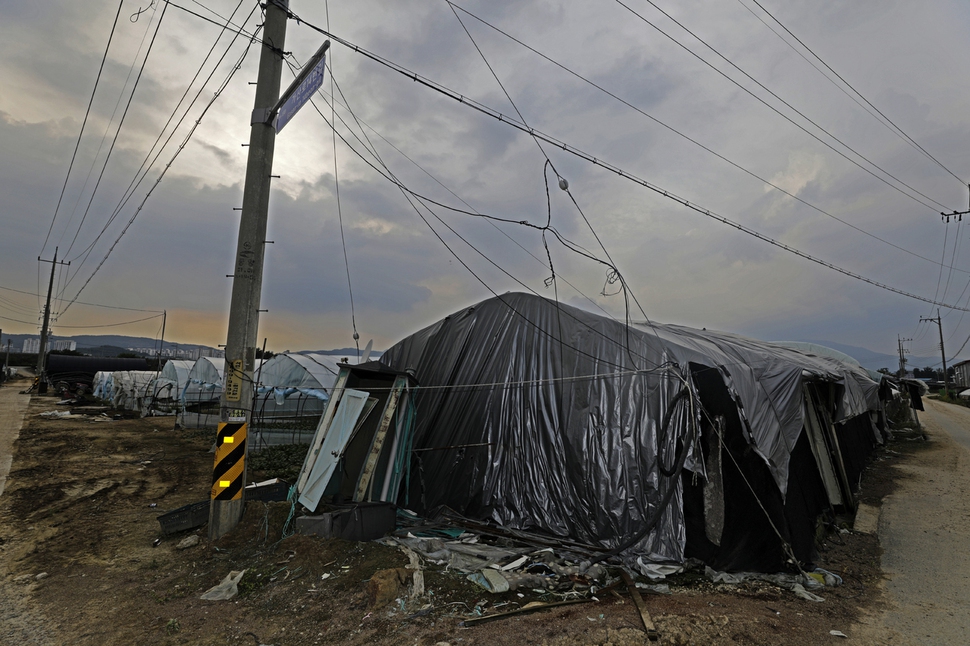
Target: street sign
302,88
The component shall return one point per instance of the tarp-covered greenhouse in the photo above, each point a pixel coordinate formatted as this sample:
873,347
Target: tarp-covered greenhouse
658,442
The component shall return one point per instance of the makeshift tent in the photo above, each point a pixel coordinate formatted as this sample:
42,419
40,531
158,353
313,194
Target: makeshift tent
204,381
131,389
101,385
296,378
656,442
168,386
293,391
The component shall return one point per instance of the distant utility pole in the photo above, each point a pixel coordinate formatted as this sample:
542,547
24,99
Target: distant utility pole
42,351
958,215
939,324
902,356
229,473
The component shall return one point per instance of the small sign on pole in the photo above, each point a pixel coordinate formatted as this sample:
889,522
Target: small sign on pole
302,88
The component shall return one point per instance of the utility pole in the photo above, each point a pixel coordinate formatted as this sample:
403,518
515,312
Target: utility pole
939,324
229,473
42,351
902,356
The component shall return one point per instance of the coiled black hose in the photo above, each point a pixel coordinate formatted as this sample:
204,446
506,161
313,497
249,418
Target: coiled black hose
673,475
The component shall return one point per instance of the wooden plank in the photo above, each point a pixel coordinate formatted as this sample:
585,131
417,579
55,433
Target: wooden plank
370,465
652,633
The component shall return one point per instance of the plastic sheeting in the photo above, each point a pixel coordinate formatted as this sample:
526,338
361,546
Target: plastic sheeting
204,382
130,388
540,416
172,379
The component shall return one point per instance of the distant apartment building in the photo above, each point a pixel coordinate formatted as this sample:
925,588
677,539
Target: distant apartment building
190,353
32,345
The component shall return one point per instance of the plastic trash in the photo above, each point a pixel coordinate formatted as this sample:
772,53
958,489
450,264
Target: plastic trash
227,588
802,593
491,580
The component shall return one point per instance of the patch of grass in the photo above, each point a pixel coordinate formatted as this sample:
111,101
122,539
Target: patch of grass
283,461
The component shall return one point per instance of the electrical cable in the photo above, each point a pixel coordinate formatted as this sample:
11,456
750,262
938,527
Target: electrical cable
147,318
779,113
849,85
113,307
340,217
471,209
118,131
563,185
614,169
136,181
158,180
694,141
667,496
408,194
239,30
84,122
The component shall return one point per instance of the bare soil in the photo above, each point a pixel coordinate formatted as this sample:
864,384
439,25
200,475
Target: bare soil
81,504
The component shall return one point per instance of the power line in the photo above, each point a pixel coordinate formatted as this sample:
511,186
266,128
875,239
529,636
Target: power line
136,181
87,113
239,30
614,169
387,174
340,215
158,180
563,184
118,131
790,106
894,128
147,318
694,141
471,209
113,307
6,318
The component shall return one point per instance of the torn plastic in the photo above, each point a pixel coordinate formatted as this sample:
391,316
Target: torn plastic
799,584
226,589
541,417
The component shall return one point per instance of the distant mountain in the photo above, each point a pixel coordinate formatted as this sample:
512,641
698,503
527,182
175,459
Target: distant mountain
344,352
876,360
100,344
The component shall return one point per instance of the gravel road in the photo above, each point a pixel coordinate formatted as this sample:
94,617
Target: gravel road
19,623
13,405
923,528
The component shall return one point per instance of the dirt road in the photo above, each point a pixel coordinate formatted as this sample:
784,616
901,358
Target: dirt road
924,527
13,405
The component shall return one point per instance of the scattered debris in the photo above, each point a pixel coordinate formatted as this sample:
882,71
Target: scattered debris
226,589
187,542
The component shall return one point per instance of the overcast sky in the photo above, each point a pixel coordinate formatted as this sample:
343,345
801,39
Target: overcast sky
871,206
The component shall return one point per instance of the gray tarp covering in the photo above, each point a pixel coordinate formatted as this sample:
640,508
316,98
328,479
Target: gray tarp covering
559,411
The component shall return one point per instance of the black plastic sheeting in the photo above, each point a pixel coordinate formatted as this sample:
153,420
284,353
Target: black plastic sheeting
83,368
546,418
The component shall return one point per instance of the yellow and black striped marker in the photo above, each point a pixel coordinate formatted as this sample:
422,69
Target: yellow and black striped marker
227,476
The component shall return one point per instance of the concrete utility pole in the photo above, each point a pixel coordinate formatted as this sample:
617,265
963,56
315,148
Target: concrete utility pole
902,356
939,324
42,351
230,472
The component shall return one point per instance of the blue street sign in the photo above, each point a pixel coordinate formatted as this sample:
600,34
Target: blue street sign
308,83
